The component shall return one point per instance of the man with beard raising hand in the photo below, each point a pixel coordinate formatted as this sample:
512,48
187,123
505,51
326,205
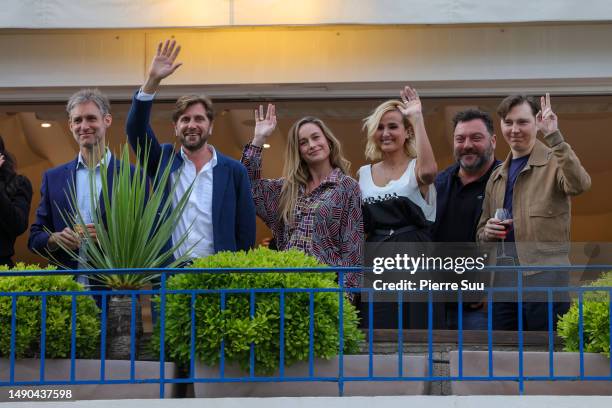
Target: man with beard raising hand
220,203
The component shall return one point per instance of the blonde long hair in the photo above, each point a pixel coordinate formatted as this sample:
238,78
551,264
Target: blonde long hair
295,170
370,125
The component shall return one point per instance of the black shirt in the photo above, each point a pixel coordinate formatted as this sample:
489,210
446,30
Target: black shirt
464,204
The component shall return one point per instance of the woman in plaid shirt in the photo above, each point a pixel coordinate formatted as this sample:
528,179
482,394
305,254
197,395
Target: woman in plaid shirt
315,206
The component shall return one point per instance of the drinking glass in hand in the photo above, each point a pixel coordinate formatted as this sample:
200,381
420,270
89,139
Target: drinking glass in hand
503,215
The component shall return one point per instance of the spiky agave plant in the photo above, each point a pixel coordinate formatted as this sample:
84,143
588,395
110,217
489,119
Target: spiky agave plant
136,224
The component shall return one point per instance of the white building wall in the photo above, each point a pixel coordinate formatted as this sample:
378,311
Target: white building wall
314,61
210,13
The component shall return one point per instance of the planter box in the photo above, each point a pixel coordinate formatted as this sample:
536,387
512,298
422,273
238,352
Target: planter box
505,363
29,370
354,366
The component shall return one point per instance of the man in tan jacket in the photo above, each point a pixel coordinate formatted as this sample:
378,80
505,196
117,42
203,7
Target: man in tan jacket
534,184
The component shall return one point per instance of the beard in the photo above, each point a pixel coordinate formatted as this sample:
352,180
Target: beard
193,146
481,159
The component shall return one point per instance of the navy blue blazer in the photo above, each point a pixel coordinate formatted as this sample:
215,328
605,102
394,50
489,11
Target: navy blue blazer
233,209
55,201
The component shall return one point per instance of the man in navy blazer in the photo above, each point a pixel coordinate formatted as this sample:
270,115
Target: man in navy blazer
220,213
88,118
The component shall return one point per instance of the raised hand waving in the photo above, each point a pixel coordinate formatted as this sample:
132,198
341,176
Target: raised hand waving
264,124
412,108
163,65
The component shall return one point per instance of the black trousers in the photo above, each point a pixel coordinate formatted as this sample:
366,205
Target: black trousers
535,307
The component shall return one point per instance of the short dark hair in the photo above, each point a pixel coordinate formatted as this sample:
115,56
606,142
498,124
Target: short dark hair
186,101
511,101
473,114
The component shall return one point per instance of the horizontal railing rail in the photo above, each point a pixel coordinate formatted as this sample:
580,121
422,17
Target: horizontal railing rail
162,292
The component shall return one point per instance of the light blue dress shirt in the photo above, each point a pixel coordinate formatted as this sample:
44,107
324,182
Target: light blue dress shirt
84,198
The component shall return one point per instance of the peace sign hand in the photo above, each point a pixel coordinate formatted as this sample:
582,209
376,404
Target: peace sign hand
412,107
546,120
264,125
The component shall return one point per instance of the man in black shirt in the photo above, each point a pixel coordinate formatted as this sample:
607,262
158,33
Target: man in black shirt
460,191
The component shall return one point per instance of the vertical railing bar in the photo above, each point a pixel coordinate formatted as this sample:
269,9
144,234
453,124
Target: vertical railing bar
551,340
460,332
73,338
581,331
490,329
13,335
103,338
370,333
341,332
281,295
252,345
222,351
430,331
610,328
311,334
162,336
43,335
133,338
520,331
192,338
400,334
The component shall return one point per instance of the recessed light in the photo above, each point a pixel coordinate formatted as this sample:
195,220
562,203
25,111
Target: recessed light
45,125
266,146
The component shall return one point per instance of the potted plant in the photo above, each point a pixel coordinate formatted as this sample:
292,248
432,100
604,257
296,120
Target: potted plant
58,342
596,357
58,325
235,327
133,223
58,311
595,317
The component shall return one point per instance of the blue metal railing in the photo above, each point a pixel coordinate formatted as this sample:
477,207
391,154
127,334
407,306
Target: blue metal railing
163,292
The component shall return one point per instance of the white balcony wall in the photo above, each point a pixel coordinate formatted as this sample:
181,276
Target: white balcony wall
214,13
314,61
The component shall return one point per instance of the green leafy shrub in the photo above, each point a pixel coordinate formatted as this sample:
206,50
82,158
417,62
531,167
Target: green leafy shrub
235,326
59,308
595,318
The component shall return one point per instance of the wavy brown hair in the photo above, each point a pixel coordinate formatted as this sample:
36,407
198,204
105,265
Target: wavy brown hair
295,170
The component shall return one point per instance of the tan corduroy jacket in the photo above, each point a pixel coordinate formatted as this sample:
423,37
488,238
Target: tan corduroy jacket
541,206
